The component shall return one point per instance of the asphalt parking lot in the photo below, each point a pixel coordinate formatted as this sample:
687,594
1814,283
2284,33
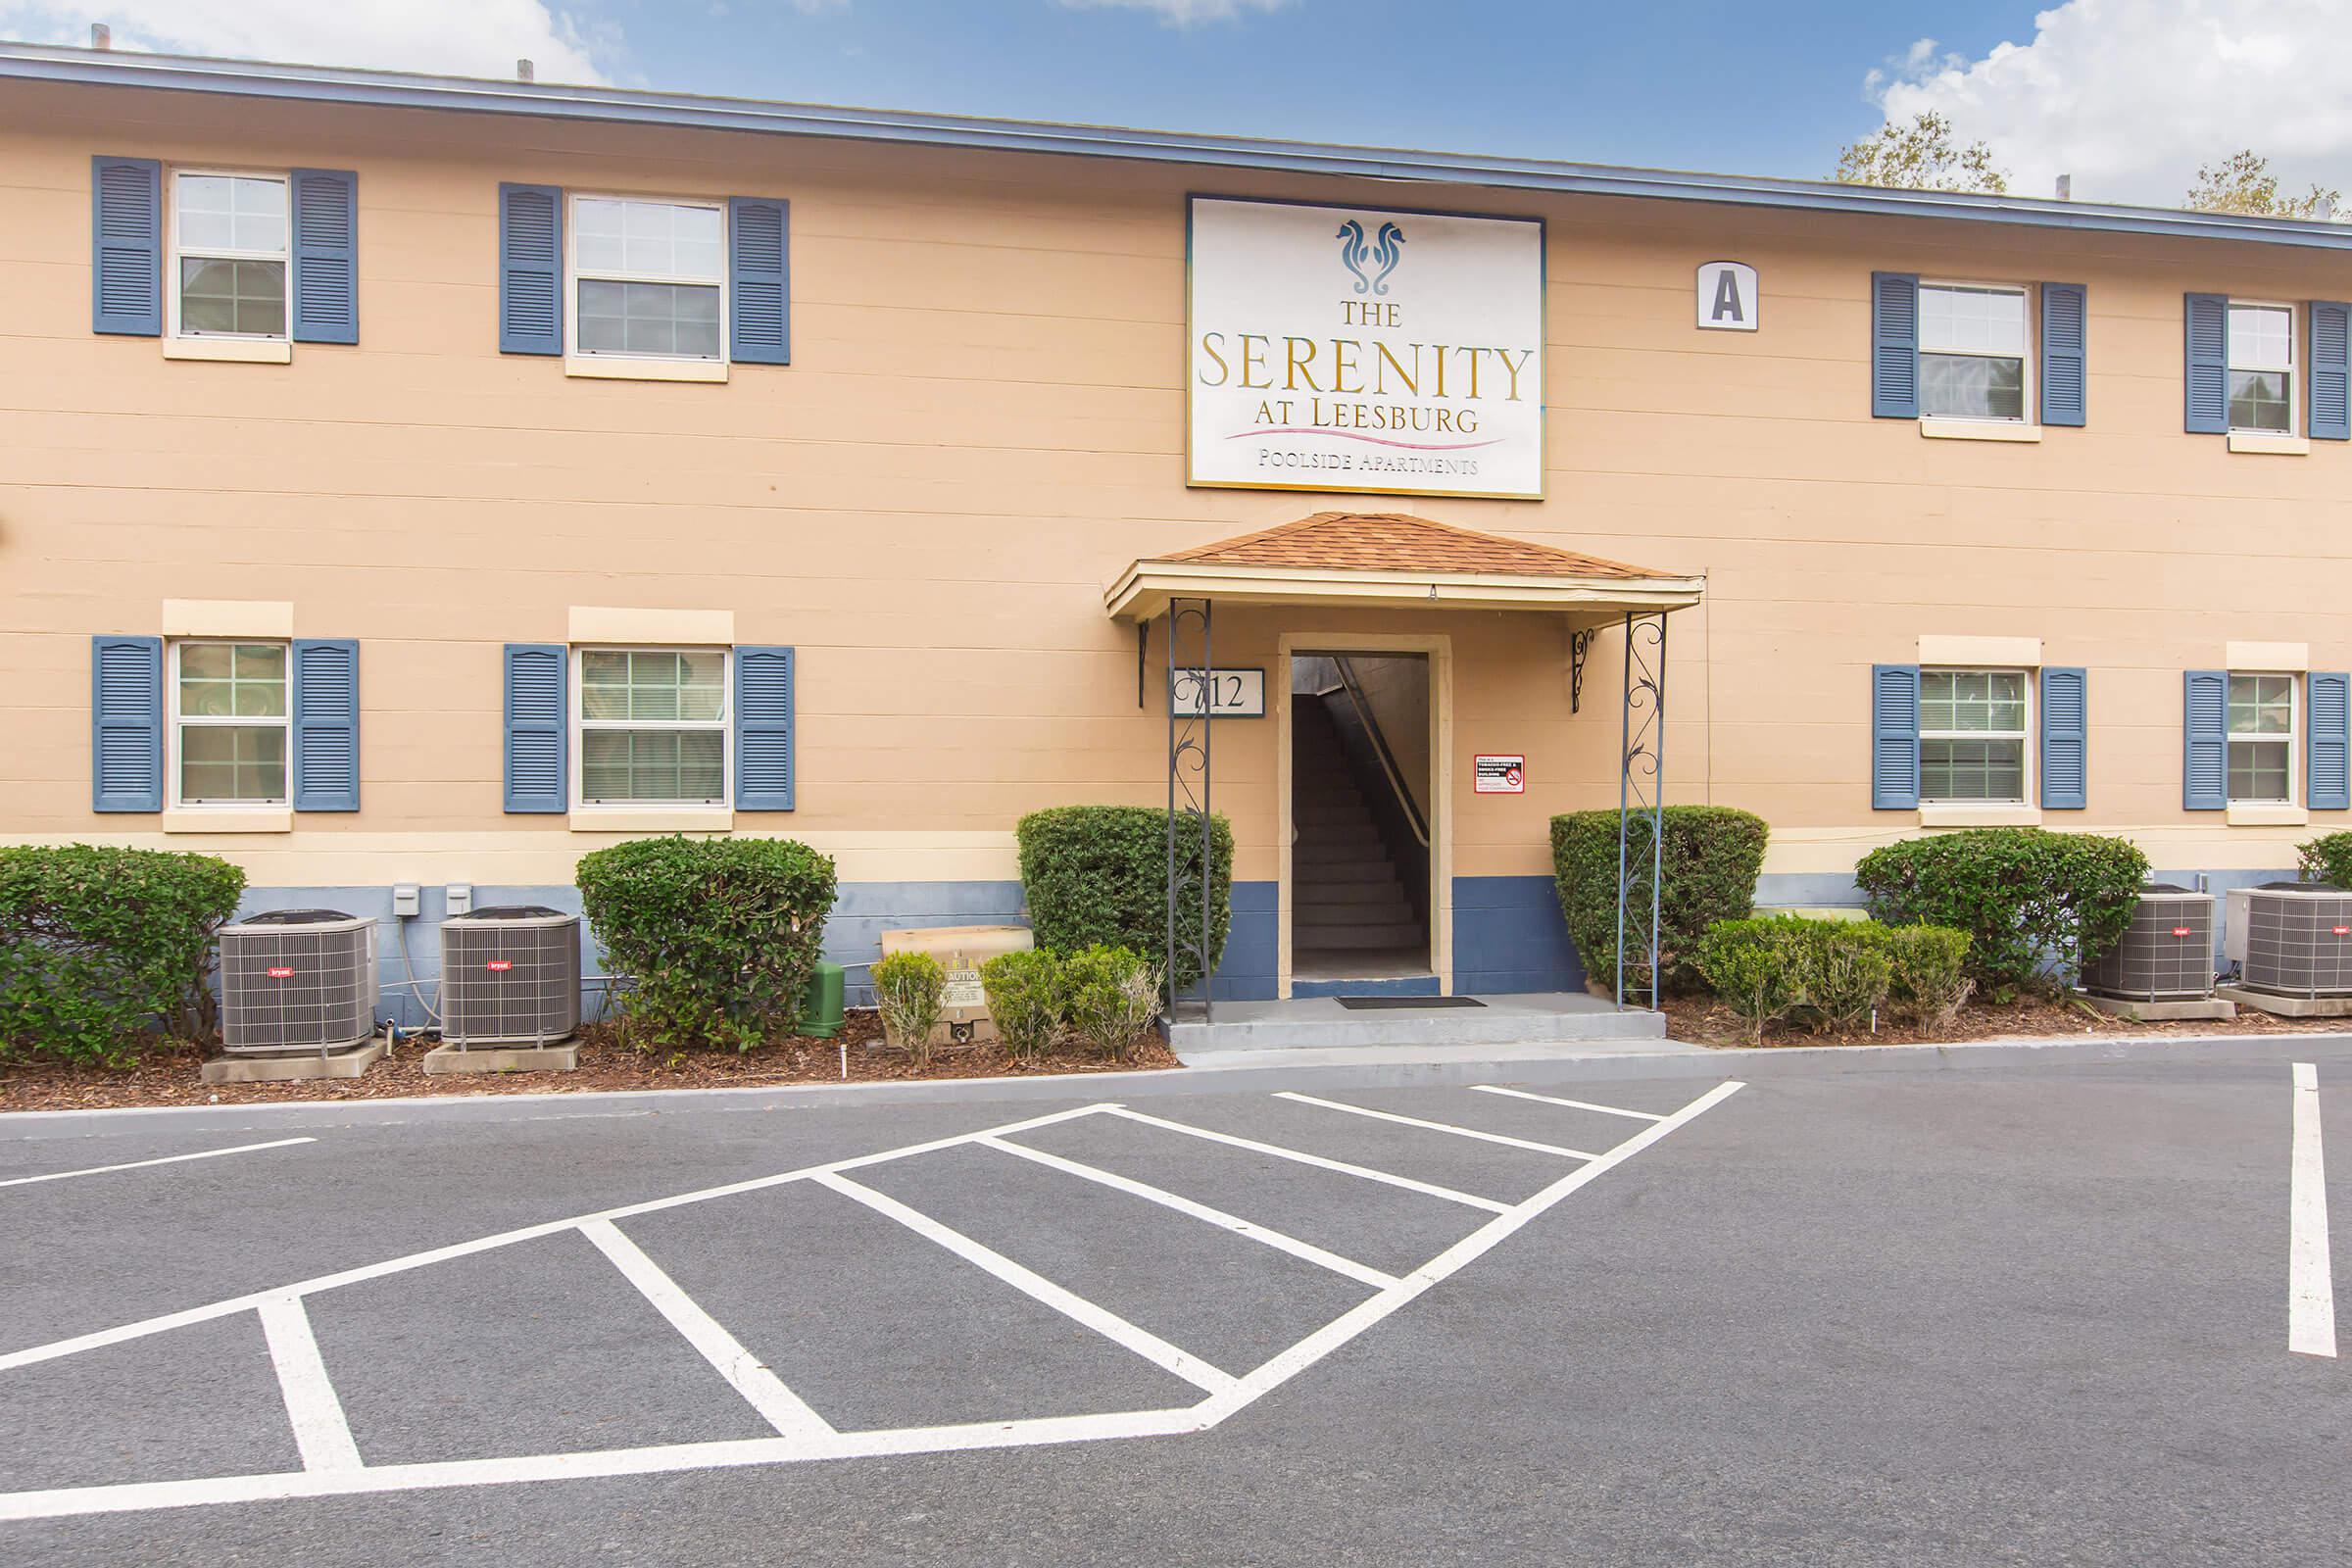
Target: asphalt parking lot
1999,1312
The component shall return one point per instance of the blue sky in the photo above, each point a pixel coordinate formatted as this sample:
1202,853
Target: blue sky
1757,88
2127,97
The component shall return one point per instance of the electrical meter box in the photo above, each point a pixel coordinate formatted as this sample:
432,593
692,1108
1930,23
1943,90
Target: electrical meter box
960,950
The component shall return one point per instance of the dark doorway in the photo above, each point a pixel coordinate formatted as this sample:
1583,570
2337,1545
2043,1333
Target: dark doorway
1359,816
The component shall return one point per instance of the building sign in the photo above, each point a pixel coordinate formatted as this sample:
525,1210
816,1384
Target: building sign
1500,776
1727,296
1232,693
1358,347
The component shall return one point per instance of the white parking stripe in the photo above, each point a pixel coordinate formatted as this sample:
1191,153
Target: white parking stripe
745,1372
2309,1283
1306,1250
1437,1126
168,1160
1301,1158
1151,1347
672,1458
321,1434
1571,1104
487,1243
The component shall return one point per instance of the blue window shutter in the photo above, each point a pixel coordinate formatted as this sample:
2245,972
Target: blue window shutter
2065,353
326,255
763,707
126,252
2065,740
326,725
2205,373
538,728
530,271
2330,371
2205,741
127,723
2327,769
1894,345
1893,737
760,280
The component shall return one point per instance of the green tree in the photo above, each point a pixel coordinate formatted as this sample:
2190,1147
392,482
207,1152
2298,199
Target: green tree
1922,155
2242,183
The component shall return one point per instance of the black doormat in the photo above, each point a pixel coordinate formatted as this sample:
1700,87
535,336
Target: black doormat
1386,1003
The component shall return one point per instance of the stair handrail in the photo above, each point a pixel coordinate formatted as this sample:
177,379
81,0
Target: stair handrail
1380,748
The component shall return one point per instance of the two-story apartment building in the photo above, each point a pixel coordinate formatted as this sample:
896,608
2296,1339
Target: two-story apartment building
407,481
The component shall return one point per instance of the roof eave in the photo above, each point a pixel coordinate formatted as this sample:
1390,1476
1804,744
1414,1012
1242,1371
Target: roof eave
1142,591
551,99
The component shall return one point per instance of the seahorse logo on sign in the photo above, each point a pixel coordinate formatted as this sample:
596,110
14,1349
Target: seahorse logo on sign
1385,251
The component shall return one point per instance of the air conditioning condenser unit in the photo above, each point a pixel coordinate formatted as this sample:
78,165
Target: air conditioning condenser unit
297,980
510,976
2166,954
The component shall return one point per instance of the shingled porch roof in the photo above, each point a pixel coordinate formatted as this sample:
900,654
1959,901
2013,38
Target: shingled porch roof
1391,559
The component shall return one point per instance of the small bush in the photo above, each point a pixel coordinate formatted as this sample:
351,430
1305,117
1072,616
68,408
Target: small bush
2028,897
2328,859
1748,965
719,936
908,988
1097,875
1024,1001
1711,856
1931,971
1110,996
1847,973
100,946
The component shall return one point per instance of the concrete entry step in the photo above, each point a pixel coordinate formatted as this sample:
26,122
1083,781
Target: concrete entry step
1309,1022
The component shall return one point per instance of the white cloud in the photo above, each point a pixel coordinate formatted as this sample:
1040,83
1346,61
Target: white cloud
2130,96
1181,12
459,38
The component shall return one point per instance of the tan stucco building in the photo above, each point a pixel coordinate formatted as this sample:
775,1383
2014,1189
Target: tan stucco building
422,481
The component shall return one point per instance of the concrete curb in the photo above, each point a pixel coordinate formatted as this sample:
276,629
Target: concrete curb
1384,1068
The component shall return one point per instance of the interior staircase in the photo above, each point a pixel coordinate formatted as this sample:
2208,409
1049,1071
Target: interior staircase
1351,917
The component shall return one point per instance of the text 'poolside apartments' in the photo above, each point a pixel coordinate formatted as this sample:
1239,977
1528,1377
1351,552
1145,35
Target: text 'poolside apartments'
419,480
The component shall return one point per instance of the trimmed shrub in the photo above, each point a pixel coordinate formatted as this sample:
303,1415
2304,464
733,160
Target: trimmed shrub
1711,856
719,936
2029,899
908,988
1748,965
1847,974
100,946
1110,996
2328,859
1024,1000
1931,971
1097,876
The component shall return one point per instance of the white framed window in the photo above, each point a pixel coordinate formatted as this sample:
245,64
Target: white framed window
652,727
1975,352
2264,719
2262,367
1973,728
649,277
228,263
228,723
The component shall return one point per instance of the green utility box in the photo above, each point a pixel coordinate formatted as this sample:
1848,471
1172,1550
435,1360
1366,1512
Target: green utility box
821,1003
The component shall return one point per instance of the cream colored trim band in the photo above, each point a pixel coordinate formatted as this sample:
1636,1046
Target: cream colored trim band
1991,652
595,624
228,617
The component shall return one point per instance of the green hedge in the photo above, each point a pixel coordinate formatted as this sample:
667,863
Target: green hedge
2328,859
1097,876
717,936
1711,856
1833,974
100,946
2029,899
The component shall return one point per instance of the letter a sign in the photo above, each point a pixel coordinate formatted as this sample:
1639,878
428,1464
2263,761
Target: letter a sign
1727,296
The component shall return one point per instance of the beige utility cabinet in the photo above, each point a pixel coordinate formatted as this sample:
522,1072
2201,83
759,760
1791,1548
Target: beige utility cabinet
960,950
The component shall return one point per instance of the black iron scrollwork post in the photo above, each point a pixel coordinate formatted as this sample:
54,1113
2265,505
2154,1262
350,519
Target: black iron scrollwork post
1190,727
1641,787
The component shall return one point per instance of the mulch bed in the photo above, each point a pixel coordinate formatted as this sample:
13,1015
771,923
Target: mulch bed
169,1077
1704,1021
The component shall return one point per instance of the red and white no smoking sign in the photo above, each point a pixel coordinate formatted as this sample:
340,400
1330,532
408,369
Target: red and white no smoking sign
1501,776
